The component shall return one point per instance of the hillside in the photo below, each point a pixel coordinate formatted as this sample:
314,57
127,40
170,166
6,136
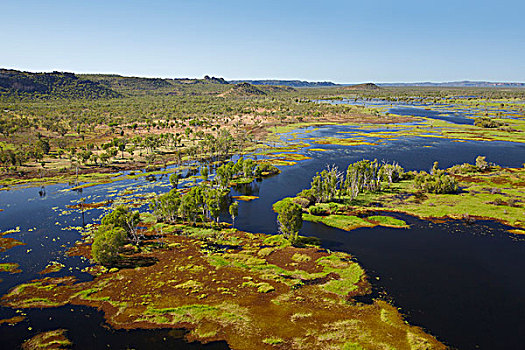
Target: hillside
127,84
365,86
244,90
291,83
50,85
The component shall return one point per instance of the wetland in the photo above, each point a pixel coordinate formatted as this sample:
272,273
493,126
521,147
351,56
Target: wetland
396,266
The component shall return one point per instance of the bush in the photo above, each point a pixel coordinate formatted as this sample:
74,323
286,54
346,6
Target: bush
486,122
308,195
290,218
482,164
316,210
464,168
436,183
107,243
303,202
266,169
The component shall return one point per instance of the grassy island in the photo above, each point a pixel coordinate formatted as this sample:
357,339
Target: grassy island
465,191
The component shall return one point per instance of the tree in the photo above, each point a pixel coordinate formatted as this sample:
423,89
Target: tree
213,203
290,218
234,211
204,173
174,180
124,218
107,243
481,163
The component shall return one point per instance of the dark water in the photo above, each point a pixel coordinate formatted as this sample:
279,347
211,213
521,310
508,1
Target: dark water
439,110
462,283
87,330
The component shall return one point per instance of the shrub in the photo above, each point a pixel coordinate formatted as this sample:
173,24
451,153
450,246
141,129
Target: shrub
486,122
307,194
266,169
436,183
481,163
316,210
303,202
290,218
107,243
123,218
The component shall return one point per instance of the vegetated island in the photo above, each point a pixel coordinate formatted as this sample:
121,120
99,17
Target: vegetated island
350,199
178,267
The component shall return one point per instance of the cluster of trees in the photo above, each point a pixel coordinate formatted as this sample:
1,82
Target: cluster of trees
437,181
117,228
360,176
203,202
244,168
481,165
365,175
35,151
487,122
200,203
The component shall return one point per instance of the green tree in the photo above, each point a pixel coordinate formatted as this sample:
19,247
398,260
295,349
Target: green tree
234,211
124,218
174,180
204,173
107,243
290,219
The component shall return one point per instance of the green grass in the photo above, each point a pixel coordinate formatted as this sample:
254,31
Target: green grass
343,222
387,221
350,274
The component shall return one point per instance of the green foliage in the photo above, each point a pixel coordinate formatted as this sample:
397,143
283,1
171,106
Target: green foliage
234,211
437,182
481,165
486,122
325,185
106,244
316,210
122,217
266,169
290,218
200,202
174,180
50,85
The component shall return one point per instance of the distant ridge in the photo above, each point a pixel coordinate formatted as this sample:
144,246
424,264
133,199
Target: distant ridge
465,83
365,86
244,90
50,85
290,83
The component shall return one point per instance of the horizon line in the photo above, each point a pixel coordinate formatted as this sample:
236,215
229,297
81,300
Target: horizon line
272,78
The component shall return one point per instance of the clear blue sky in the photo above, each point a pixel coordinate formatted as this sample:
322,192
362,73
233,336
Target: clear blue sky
340,41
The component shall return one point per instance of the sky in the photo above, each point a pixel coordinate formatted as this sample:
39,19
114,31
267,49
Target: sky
340,41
